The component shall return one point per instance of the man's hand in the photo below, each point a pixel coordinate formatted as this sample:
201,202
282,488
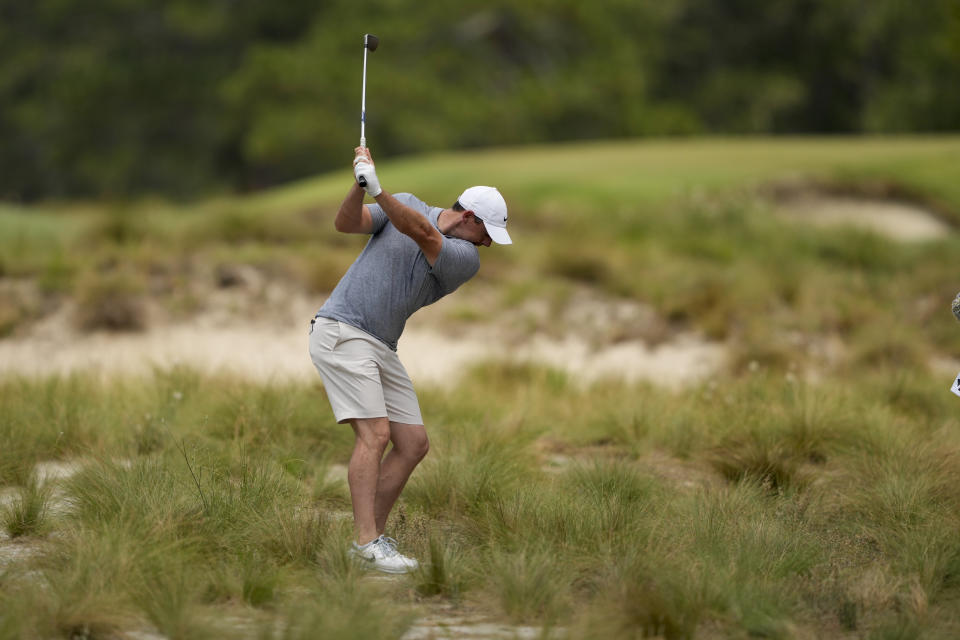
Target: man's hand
362,153
363,168
367,177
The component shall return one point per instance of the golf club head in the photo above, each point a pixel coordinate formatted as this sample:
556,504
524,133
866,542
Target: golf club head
370,41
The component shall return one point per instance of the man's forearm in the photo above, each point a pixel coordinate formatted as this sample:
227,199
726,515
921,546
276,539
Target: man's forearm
350,216
406,220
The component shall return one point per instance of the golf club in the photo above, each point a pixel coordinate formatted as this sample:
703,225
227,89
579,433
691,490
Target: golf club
370,43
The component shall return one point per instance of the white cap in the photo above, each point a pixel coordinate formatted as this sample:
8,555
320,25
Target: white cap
487,204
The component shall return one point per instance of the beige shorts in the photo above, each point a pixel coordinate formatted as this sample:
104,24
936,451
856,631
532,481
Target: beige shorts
362,376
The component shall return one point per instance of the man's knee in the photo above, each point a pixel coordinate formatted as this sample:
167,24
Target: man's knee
417,446
410,440
373,434
421,447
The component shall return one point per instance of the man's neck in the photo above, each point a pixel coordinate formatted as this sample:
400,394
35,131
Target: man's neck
446,221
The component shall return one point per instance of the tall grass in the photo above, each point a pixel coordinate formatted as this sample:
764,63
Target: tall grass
832,507
151,541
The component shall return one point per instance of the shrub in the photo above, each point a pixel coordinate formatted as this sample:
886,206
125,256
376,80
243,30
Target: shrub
111,301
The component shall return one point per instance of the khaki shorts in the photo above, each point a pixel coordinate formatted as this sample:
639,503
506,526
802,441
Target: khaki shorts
363,377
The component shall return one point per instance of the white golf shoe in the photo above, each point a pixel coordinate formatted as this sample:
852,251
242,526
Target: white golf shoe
381,554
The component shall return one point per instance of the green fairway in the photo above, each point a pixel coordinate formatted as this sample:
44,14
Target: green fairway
654,171
808,488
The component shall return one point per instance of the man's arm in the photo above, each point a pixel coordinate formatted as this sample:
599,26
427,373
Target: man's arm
413,224
353,216
407,221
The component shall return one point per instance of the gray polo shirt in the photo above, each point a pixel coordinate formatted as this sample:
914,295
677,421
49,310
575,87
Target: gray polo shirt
391,278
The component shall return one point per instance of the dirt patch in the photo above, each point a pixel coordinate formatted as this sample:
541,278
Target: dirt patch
881,209
52,470
337,473
556,457
8,495
450,627
17,551
945,365
683,474
685,359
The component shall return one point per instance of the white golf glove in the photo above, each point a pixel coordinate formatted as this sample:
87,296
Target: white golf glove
363,169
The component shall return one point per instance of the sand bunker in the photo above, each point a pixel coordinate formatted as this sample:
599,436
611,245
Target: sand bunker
434,350
897,220
263,353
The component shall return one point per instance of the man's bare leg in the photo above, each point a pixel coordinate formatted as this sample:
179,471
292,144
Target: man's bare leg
410,445
372,436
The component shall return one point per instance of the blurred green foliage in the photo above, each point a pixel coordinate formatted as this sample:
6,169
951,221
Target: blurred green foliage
111,98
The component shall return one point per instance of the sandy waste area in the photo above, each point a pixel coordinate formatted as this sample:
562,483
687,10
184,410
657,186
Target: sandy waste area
590,340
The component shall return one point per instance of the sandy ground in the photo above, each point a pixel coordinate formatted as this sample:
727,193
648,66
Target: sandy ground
434,350
452,627
896,220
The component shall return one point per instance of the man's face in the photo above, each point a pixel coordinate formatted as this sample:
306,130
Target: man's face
474,231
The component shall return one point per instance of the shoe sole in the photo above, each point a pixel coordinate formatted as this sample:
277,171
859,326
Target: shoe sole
368,563
390,571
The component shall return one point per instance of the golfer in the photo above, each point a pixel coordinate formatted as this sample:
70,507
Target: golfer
416,254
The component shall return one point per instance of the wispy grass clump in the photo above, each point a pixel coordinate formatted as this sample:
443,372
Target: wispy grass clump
239,506
444,572
28,514
633,599
907,504
49,418
349,615
731,557
82,414
781,441
531,586
164,538
478,464
593,509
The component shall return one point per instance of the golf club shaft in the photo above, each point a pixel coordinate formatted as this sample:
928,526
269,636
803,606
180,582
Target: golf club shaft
363,112
363,102
370,43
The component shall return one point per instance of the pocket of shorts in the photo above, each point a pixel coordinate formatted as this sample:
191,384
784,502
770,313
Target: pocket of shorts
326,334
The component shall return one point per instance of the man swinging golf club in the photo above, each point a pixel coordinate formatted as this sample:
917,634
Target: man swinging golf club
416,254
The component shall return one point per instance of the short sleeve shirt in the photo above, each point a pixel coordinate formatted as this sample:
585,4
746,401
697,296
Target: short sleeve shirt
391,278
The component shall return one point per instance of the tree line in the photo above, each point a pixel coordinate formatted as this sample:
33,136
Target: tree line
119,98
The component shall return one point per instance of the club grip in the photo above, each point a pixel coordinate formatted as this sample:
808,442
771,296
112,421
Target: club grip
362,181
